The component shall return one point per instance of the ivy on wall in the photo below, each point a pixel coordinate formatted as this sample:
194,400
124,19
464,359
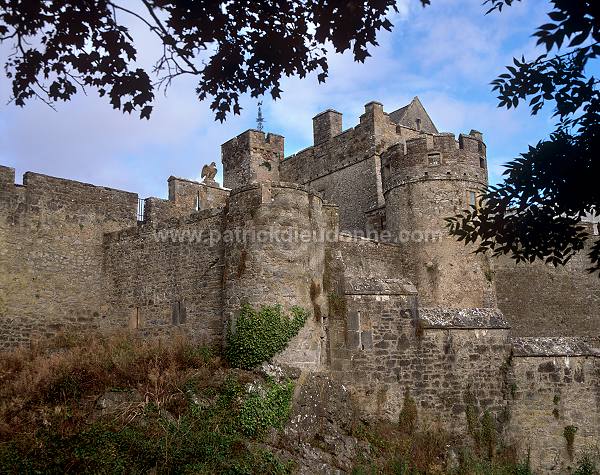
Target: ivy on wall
261,334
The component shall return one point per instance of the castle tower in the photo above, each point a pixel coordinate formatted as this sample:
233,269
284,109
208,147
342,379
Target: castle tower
251,157
434,177
274,251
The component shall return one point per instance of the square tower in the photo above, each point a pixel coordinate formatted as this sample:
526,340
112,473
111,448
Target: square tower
251,157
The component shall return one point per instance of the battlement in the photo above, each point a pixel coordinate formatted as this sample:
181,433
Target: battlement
436,156
185,197
257,139
419,144
7,182
446,141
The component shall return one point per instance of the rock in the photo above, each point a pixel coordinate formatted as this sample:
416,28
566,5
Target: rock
112,402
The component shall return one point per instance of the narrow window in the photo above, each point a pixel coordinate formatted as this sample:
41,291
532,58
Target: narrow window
418,122
134,319
182,312
434,158
472,199
482,162
175,313
197,205
387,171
359,334
178,313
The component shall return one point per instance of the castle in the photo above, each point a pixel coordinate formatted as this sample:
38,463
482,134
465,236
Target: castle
352,229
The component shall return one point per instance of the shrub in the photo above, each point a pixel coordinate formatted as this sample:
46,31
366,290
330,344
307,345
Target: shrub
265,407
408,414
586,465
260,335
204,438
569,435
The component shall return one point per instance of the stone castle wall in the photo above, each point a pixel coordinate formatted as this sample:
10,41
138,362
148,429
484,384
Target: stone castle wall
555,385
251,157
345,167
276,256
382,343
168,276
540,299
51,254
185,197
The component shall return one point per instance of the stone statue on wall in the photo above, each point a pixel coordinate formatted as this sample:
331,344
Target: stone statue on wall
208,174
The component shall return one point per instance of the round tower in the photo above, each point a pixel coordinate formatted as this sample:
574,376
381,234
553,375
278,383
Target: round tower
434,177
275,253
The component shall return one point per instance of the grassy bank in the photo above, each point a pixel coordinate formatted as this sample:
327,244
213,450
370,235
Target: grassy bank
122,405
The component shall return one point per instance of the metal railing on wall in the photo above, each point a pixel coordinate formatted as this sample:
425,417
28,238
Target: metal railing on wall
140,209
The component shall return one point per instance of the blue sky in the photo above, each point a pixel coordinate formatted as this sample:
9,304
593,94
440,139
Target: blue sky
447,54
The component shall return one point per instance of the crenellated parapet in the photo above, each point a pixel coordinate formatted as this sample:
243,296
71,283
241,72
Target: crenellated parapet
437,157
7,177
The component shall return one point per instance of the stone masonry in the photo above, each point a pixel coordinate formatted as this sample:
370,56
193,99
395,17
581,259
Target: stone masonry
350,228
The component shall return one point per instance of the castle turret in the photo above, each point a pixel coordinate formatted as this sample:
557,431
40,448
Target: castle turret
274,251
434,177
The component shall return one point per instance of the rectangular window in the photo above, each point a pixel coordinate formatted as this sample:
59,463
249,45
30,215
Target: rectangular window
134,319
472,197
175,313
182,312
387,171
178,315
434,158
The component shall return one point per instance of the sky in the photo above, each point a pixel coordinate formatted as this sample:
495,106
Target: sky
447,54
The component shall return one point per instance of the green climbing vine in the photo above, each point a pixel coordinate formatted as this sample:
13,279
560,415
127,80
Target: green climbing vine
260,335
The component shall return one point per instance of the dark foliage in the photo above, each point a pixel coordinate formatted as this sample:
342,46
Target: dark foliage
234,47
535,213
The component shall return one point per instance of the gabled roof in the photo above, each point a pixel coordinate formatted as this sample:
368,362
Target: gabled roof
408,115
